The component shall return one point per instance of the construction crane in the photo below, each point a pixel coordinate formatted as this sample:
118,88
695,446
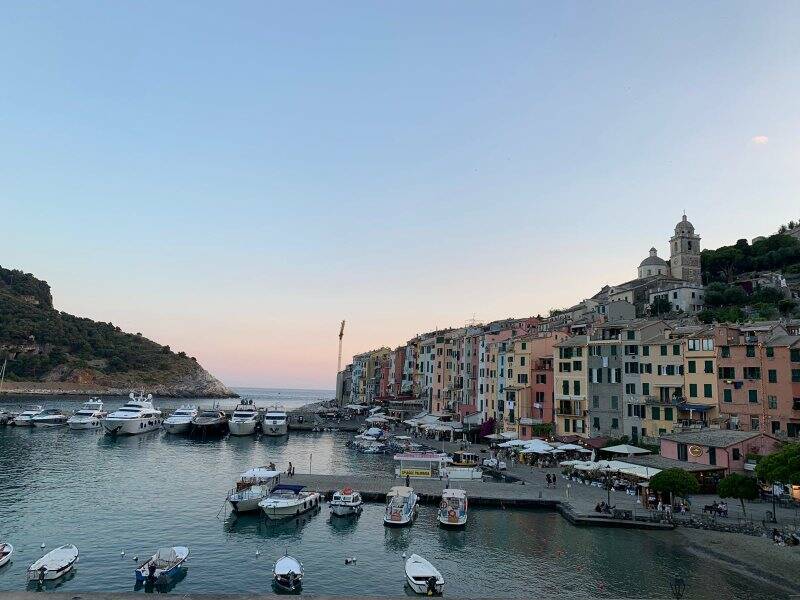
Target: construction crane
341,335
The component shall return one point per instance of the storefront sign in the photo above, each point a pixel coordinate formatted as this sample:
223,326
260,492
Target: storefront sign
415,472
696,451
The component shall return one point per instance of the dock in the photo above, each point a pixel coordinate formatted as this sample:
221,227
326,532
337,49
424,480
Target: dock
480,493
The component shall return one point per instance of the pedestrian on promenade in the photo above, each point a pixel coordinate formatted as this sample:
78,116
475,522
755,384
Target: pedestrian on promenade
547,476
408,480
290,471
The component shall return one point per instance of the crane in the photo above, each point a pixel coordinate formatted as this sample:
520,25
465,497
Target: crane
341,335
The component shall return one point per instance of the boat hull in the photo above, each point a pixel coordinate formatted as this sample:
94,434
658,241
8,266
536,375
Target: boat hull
8,550
275,430
176,428
130,426
346,510
23,422
50,423
242,427
216,429
449,523
50,575
278,513
422,588
93,423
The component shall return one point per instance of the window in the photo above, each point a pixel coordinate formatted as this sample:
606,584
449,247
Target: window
727,395
631,335
576,388
692,390
795,403
565,387
645,350
614,423
676,349
683,453
524,347
521,361
772,376
754,424
646,389
655,413
773,402
770,352
795,375
692,366
752,372
736,454
668,413
664,350
726,372
577,365
694,345
725,351
613,350
794,354
596,422
595,401
630,388
752,396
708,390
712,456
751,351
614,402
708,366
708,344
578,351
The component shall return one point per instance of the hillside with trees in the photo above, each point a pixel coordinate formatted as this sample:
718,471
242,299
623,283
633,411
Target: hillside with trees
49,350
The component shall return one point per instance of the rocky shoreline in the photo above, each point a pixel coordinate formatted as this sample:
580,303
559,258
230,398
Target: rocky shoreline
52,388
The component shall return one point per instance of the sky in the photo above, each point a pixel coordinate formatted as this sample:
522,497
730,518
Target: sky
235,178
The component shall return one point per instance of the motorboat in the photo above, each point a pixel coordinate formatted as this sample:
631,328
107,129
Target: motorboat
54,564
464,459
244,419
89,415
180,420
289,501
453,508
209,423
25,418
423,577
275,422
253,486
6,550
287,574
401,506
52,417
346,502
136,416
166,562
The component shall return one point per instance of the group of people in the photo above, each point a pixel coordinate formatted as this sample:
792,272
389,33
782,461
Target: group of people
603,507
551,480
717,508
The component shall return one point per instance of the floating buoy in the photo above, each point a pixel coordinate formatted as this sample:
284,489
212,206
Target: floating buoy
404,554
122,553
135,558
258,551
350,561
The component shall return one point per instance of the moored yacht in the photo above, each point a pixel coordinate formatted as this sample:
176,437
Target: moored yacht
253,487
135,416
89,416
244,419
209,423
180,421
275,422
401,506
52,417
289,501
25,418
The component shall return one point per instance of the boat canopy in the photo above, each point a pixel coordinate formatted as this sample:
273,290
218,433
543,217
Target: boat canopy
167,555
260,473
292,488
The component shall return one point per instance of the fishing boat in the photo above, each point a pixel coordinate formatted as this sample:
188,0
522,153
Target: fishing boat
89,415
54,564
6,550
275,422
25,418
136,416
287,574
346,502
209,423
423,577
401,506
453,508
181,420
286,501
52,417
244,419
253,486
166,562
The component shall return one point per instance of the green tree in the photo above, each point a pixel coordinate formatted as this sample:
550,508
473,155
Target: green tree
676,482
782,466
660,306
740,487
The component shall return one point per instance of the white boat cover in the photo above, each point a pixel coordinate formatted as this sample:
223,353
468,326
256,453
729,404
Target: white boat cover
419,568
260,473
286,564
57,559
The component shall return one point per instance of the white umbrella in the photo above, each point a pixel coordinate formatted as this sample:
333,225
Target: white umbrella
625,449
569,463
512,443
570,447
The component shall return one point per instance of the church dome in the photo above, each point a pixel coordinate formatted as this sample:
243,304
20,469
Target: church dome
653,260
684,226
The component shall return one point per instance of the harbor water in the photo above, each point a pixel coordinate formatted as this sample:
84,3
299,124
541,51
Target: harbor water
135,494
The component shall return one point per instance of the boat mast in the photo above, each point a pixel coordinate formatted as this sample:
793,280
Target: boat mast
3,374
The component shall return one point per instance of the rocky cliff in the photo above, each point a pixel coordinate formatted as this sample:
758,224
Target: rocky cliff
48,351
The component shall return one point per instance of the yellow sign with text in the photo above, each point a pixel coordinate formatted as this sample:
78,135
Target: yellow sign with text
415,472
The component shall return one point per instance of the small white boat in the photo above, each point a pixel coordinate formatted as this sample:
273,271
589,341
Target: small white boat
453,508
423,577
346,502
165,562
180,421
275,422
25,418
137,416
89,416
287,574
401,506
54,564
254,486
244,419
289,501
52,417
6,550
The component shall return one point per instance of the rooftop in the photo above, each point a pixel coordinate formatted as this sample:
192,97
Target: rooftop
662,462
715,438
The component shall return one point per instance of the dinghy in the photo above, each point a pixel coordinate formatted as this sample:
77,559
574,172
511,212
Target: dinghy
166,562
6,550
287,574
423,577
54,564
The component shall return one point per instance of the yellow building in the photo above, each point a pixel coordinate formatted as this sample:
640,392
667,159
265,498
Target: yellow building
700,373
662,384
570,386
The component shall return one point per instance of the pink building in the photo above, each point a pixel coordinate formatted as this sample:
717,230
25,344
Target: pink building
722,448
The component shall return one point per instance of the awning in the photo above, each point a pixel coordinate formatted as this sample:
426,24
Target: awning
570,447
697,407
625,449
494,436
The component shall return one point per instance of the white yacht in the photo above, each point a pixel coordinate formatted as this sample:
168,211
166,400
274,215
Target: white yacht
289,501
136,416
275,422
244,419
52,417
89,416
25,418
254,486
180,421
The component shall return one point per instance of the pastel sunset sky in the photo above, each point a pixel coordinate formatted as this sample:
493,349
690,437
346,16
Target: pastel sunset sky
235,178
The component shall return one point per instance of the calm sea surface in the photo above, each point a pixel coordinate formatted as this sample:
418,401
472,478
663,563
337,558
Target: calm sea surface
108,495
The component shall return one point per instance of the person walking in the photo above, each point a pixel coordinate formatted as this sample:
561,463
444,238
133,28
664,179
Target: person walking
290,470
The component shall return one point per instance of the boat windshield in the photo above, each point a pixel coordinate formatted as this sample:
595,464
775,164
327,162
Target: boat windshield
243,415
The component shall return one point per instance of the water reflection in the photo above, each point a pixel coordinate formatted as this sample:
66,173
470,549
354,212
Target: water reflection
163,584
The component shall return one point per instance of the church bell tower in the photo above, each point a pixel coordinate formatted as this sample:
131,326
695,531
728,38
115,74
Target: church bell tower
684,249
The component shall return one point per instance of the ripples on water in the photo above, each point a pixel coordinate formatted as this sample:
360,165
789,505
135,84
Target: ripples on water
138,493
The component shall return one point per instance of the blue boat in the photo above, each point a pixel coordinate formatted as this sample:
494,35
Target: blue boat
164,563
